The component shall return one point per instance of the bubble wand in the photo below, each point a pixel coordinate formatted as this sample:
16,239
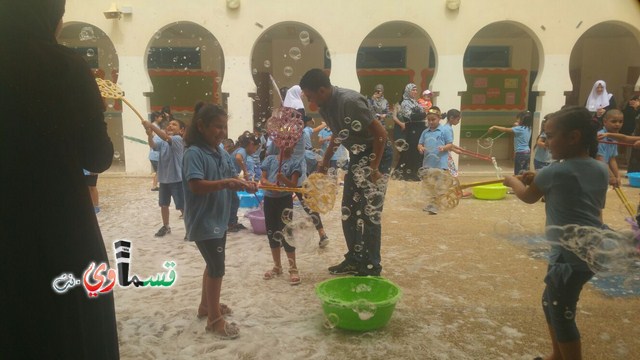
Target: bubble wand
109,90
318,191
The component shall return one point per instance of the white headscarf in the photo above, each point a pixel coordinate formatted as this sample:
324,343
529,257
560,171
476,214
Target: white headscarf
293,98
595,101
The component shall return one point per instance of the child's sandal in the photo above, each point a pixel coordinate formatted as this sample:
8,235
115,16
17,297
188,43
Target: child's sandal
294,277
270,274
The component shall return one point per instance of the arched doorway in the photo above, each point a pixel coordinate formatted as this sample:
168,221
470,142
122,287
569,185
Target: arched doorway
608,51
395,54
500,66
96,48
186,65
280,56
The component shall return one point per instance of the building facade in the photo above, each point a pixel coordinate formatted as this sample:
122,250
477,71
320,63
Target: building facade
491,59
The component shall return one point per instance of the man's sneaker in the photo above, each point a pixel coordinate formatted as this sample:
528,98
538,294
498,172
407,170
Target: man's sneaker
324,241
164,230
369,270
345,267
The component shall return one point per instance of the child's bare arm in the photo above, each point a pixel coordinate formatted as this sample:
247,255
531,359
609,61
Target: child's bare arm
501,128
243,166
293,182
161,134
264,180
619,137
528,194
614,172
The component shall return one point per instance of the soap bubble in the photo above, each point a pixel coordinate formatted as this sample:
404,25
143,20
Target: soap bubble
267,63
90,52
402,145
116,155
288,71
327,54
87,33
331,321
287,216
356,125
254,71
295,53
347,120
346,212
304,38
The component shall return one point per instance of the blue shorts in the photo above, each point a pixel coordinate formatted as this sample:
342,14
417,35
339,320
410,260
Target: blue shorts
167,191
213,252
154,165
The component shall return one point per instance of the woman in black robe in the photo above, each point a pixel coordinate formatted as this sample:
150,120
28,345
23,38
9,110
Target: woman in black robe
413,116
53,127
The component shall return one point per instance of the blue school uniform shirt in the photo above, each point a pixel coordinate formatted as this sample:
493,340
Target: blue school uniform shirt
522,136
307,138
243,153
431,140
206,215
447,127
325,134
270,166
607,151
542,154
575,191
170,160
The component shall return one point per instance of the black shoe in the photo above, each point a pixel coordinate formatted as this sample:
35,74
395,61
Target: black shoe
232,228
164,230
240,226
369,270
345,267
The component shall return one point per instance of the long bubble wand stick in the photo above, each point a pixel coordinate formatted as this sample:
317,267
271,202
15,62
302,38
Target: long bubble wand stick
109,90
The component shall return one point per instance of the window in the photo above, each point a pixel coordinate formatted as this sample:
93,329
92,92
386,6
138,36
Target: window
381,58
487,56
174,58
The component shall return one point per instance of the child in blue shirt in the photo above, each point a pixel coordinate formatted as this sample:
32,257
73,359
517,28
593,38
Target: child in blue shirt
612,122
542,155
275,202
522,137
247,145
170,146
435,143
208,180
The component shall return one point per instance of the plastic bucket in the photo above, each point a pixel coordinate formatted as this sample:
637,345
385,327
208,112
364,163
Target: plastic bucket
634,179
359,303
256,217
250,200
489,192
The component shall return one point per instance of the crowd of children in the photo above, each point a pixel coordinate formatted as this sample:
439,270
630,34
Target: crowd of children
209,173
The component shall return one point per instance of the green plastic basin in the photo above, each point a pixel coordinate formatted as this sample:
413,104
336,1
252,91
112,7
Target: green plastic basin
358,303
489,192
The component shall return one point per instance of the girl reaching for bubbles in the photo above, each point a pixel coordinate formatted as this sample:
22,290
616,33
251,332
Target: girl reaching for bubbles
574,188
